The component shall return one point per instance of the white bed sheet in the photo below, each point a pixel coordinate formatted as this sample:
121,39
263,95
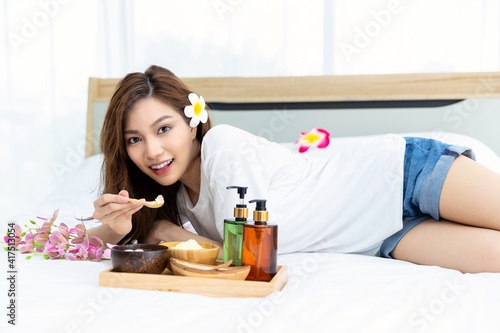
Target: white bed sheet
326,292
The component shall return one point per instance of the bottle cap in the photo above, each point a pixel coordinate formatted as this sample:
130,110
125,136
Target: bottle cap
241,210
260,215
241,190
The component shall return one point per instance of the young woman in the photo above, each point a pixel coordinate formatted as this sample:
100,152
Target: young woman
412,199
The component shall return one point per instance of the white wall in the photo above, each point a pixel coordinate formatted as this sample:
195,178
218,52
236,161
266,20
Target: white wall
477,118
48,49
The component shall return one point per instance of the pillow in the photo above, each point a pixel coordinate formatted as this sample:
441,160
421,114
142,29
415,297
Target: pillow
484,154
74,196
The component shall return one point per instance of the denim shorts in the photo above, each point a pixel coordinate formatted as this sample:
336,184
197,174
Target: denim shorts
426,165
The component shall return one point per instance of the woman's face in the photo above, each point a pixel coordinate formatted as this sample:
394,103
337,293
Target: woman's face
159,141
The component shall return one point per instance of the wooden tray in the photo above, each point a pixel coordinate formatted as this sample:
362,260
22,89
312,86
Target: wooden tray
203,286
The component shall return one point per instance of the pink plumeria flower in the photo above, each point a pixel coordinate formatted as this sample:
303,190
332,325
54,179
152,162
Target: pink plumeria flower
196,111
317,137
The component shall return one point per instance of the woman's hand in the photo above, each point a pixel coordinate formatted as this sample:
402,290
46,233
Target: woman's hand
115,213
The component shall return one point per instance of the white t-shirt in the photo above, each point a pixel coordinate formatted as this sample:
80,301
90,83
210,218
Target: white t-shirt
336,199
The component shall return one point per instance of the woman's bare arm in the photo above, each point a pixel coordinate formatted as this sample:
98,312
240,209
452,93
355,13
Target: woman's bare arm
105,233
166,231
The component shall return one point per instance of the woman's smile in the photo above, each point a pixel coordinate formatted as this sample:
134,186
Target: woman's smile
162,167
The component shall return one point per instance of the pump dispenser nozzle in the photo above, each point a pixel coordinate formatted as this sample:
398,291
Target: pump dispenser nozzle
241,190
260,213
241,210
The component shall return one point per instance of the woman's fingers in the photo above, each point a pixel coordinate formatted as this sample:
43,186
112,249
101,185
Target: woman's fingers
111,198
123,193
115,211
111,206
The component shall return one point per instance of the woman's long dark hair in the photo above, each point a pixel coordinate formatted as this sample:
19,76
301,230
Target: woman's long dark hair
118,171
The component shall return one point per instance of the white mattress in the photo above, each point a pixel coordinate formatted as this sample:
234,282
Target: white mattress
325,292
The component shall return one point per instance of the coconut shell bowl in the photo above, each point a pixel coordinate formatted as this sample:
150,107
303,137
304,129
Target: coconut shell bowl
139,258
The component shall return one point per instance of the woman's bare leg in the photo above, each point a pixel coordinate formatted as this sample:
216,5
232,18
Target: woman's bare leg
471,195
468,237
451,245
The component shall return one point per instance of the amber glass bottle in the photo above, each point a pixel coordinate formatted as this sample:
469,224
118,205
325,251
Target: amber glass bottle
260,245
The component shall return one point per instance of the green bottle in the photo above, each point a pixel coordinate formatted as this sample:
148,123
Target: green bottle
233,229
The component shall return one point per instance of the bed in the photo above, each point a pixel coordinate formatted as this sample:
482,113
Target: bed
325,292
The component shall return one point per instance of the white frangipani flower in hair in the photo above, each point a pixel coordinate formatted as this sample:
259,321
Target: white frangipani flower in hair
196,111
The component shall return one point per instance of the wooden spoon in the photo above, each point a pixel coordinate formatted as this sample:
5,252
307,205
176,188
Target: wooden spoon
157,203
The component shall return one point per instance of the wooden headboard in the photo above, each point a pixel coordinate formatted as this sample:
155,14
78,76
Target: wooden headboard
323,92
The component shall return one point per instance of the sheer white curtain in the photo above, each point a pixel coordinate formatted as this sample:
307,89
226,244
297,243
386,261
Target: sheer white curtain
49,48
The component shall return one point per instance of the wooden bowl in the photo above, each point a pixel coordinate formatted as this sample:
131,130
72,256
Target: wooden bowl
179,267
139,258
208,255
